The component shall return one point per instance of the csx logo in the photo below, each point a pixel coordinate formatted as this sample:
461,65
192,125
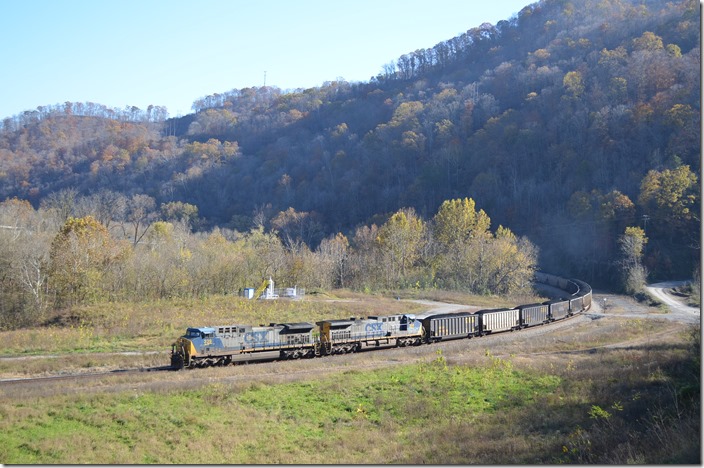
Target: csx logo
373,328
255,337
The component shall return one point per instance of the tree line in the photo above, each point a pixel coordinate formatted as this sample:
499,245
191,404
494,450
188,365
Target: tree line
76,250
84,109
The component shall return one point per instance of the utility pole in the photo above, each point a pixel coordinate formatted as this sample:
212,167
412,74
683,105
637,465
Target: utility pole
645,225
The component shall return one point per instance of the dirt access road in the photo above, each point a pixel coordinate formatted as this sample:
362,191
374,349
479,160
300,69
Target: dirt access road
665,292
676,308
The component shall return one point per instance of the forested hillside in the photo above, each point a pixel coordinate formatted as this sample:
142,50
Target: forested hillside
567,123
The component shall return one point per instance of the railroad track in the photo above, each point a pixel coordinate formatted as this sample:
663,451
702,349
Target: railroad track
94,375
81,375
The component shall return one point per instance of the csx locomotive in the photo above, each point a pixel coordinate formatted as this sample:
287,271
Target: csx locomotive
227,344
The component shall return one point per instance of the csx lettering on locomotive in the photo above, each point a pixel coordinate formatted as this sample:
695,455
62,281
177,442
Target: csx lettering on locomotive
255,337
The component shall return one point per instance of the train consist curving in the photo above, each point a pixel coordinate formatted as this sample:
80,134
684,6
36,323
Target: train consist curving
228,344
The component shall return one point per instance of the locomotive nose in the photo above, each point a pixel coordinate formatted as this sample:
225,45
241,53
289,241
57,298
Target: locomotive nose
182,352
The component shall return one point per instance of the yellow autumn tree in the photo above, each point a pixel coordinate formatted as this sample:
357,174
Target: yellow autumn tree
458,221
671,196
632,244
510,263
461,233
80,253
335,256
469,257
401,240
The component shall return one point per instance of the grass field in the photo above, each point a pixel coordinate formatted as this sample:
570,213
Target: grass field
430,412
357,417
563,396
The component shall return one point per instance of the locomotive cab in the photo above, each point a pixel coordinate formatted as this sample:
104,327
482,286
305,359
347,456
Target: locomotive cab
408,322
196,341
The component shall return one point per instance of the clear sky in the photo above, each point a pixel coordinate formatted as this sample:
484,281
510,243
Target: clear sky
172,52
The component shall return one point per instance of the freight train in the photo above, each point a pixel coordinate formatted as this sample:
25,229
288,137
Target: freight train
234,343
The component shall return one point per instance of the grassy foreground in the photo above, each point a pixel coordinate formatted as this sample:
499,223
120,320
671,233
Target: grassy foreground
359,417
495,411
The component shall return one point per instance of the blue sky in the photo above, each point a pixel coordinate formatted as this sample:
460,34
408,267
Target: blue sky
172,52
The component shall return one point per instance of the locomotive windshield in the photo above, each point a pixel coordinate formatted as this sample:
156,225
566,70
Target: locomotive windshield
200,333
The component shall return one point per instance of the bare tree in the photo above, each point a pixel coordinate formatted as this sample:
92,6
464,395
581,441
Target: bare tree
106,206
140,214
335,253
61,203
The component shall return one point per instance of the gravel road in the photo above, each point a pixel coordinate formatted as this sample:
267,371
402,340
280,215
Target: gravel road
665,293
676,309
